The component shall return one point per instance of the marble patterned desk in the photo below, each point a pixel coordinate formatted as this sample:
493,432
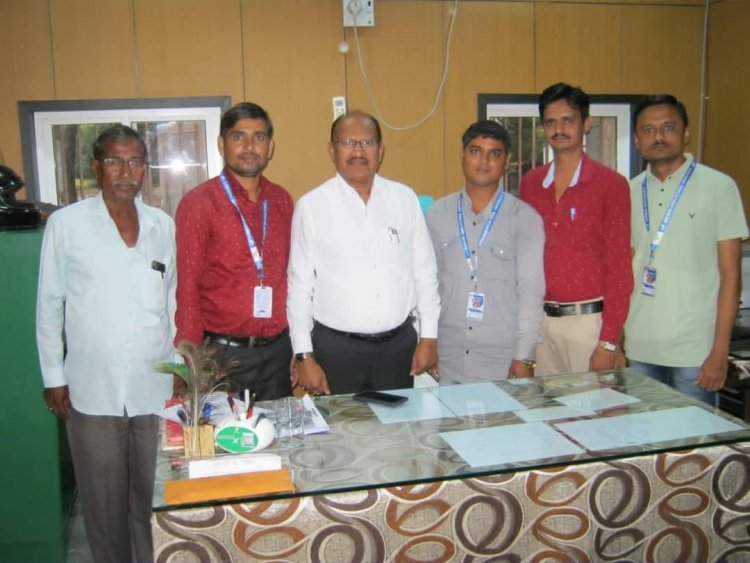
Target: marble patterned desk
397,492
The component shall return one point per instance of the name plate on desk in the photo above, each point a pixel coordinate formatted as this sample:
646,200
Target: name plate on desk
233,465
184,491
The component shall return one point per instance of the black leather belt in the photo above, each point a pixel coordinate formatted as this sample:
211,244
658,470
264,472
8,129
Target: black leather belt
376,338
565,309
243,341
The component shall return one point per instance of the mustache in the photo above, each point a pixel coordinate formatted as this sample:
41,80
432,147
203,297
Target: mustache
559,136
126,184
658,144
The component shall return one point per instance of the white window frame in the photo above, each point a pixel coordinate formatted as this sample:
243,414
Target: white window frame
37,123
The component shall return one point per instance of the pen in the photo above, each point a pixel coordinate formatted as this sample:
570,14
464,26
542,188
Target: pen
250,407
261,416
572,213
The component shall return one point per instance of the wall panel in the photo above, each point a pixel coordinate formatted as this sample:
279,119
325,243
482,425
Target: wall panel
656,61
404,60
26,60
579,44
727,146
188,48
293,69
93,46
493,52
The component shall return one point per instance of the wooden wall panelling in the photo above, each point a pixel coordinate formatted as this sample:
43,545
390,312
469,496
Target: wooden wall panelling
189,48
94,48
493,52
26,60
404,59
579,44
727,146
662,53
293,69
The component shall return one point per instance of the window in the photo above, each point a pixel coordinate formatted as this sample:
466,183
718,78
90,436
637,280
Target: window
609,140
180,135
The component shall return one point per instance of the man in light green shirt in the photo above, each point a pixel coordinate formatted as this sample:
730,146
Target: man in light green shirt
687,225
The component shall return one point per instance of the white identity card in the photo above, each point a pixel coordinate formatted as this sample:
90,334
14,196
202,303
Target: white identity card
475,306
648,282
263,302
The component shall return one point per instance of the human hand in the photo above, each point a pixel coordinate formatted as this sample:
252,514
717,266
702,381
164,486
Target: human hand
425,358
312,378
518,369
58,401
713,372
601,359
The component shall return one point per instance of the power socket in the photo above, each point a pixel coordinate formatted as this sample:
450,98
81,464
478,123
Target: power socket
359,13
339,106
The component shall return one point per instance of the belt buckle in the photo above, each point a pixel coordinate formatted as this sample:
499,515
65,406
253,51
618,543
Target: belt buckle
553,309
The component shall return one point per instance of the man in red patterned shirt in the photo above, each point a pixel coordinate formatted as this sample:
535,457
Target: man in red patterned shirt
585,207
232,253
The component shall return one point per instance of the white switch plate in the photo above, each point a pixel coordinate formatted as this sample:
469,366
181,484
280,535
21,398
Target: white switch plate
339,106
364,10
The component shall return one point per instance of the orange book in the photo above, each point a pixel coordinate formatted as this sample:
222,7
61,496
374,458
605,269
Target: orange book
227,486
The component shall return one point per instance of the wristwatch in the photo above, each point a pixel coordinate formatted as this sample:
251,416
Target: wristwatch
608,346
528,364
302,356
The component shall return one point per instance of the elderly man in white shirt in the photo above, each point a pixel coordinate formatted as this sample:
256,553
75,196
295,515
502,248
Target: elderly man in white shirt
107,281
361,271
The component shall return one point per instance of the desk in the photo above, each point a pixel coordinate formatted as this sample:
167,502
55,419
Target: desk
398,492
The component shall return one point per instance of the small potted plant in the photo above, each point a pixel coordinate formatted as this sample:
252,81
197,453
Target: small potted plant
205,370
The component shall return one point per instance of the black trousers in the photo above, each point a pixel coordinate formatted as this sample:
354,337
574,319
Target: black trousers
264,370
353,365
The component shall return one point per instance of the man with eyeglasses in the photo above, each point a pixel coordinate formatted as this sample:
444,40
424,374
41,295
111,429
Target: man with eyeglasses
232,255
104,321
489,248
687,225
361,269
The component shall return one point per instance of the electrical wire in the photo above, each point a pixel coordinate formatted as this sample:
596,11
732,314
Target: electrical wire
438,94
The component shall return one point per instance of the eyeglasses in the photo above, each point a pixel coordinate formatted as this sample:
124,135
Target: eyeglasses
351,144
664,130
116,163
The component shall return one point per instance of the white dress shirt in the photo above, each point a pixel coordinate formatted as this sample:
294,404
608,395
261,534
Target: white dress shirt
116,309
360,267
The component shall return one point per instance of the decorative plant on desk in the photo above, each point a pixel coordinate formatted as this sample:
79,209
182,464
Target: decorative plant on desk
204,371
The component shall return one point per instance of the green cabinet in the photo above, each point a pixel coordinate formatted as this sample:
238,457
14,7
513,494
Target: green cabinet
31,517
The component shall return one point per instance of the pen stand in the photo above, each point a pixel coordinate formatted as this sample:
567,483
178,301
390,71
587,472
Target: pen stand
199,440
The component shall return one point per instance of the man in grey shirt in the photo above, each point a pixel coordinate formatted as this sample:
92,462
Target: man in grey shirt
489,247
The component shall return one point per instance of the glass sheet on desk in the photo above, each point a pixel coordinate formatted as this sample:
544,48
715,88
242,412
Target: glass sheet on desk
646,428
472,399
483,447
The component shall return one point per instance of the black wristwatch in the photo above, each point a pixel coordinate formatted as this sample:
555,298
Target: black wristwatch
302,356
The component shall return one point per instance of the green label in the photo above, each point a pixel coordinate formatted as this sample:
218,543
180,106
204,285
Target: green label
237,439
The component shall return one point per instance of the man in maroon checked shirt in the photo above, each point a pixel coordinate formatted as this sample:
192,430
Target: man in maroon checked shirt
232,253
585,207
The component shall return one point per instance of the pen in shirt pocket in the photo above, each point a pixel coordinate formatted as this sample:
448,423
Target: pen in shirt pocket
159,267
572,214
394,234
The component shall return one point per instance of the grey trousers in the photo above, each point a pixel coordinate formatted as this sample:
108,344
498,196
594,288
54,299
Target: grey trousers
114,459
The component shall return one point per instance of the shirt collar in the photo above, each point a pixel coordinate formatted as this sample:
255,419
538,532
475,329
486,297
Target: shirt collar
237,188
679,173
487,208
550,177
145,220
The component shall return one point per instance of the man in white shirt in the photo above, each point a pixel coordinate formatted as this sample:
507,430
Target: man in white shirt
107,282
361,269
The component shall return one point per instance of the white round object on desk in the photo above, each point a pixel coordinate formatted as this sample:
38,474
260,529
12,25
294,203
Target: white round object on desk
242,436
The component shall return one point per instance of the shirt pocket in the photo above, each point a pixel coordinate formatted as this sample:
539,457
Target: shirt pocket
498,263
151,285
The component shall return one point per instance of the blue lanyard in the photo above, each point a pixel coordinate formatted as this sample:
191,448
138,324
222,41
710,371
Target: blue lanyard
485,232
670,210
257,256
